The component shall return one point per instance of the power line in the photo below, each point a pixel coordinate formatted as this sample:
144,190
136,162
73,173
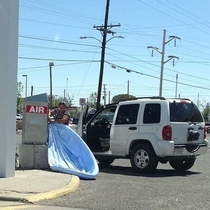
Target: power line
156,77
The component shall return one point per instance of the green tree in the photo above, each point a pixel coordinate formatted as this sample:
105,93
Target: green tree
19,97
92,100
206,111
122,97
57,99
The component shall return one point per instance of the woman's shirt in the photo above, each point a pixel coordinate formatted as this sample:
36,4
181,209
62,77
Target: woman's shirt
59,116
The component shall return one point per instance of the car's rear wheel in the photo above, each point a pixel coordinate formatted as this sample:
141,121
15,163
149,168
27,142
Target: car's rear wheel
184,164
104,162
143,159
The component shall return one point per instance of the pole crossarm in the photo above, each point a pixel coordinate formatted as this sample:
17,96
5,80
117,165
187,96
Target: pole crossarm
171,57
154,48
171,38
108,26
106,29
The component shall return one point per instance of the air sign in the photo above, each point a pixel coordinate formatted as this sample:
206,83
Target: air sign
36,109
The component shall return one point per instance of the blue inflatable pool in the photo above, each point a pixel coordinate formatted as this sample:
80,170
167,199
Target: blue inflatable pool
68,153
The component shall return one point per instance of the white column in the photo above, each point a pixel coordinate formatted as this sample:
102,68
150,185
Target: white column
9,15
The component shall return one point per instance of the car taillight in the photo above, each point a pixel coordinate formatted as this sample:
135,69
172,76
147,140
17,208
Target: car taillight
167,133
205,131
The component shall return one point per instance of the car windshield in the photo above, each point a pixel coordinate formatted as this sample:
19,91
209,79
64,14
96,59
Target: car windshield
185,112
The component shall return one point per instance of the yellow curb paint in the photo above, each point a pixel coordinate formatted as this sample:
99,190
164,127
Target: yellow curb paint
71,187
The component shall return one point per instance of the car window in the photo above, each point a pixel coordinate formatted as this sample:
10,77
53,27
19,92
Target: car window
152,113
107,114
184,112
127,114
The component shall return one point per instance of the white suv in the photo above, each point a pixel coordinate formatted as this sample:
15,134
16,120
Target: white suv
147,130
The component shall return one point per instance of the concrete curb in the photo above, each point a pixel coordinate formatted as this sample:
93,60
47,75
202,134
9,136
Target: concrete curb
71,187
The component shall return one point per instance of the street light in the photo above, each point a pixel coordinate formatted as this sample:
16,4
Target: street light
25,75
91,37
103,47
50,65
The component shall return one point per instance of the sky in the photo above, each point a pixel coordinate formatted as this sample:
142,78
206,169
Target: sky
50,31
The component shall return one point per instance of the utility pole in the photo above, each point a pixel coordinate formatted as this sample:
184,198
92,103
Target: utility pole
26,76
176,85
163,54
198,101
50,65
128,88
67,79
32,90
104,29
104,94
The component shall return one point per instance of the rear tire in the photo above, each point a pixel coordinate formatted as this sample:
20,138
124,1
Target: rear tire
183,165
143,159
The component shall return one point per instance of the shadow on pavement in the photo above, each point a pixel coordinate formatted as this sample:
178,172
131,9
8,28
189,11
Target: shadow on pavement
125,170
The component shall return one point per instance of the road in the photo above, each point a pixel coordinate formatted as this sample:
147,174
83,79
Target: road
118,188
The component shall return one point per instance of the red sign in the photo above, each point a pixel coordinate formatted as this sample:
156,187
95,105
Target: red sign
37,109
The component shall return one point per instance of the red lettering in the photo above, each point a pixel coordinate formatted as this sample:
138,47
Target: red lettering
37,109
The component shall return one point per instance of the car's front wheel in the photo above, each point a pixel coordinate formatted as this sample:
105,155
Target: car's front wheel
184,164
143,159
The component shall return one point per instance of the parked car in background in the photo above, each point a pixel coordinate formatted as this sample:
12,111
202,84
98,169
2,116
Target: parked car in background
19,119
207,125
73,123
16,125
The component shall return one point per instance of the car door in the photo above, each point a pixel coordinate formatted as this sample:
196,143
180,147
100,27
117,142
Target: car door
97,130
82,120
187,123
124,128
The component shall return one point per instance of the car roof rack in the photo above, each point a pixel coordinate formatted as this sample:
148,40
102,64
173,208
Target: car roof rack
130,99
145,97
179,99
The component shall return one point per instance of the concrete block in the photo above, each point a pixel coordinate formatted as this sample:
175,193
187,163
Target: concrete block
26,156
41,157
33,156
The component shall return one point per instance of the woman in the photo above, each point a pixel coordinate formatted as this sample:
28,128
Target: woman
61,114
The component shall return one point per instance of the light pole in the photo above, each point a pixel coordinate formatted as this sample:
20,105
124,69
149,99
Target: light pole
50,65
103,47
176,85
25,75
